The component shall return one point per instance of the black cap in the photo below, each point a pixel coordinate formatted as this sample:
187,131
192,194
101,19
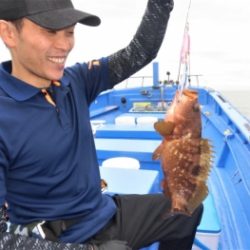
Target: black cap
50,14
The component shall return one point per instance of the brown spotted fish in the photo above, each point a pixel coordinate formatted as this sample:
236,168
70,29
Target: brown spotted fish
185,156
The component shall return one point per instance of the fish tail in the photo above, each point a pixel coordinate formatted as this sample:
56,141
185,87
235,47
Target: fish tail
201,194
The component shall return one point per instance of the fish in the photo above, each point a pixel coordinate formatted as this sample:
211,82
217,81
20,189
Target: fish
185,157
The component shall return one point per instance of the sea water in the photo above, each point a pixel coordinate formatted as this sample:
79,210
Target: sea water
240,100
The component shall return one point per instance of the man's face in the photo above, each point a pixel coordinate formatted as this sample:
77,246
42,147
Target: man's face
39,55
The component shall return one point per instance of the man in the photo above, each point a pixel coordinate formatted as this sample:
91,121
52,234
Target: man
49,175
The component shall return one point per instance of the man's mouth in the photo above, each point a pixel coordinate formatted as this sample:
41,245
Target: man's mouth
57,60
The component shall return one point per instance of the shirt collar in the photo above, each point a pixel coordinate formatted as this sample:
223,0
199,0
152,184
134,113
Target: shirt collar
18,89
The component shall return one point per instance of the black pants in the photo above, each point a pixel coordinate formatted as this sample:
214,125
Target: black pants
143,219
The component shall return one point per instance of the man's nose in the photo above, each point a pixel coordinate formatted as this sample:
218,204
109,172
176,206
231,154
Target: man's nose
64,42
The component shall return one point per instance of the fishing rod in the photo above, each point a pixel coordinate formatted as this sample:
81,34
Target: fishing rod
185,55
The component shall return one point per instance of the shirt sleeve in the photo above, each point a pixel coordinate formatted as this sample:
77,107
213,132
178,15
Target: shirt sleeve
146,43
91,78
105,73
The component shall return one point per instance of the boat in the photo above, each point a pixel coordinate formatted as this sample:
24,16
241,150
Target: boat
122,122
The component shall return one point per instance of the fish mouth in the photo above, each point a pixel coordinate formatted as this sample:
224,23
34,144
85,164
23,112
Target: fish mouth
192,94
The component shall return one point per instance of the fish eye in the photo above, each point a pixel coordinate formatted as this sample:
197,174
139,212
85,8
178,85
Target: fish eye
196,107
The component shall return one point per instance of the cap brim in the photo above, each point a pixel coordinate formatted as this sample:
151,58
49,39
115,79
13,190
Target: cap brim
60,19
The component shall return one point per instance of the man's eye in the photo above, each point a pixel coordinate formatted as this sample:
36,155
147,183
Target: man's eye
70,31
52,31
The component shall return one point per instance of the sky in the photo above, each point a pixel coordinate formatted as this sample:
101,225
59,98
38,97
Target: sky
218,30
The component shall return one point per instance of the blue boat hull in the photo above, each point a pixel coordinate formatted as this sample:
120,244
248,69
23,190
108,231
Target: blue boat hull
229,182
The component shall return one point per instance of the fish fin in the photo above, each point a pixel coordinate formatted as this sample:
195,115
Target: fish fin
206,146
164,128
199,195
157,153
205,160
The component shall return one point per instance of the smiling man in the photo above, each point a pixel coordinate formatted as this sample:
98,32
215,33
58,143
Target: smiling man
49,174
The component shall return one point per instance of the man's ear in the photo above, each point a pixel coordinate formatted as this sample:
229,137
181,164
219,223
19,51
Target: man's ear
7,33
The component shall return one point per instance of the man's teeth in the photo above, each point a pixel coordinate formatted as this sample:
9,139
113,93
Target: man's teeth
57,60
